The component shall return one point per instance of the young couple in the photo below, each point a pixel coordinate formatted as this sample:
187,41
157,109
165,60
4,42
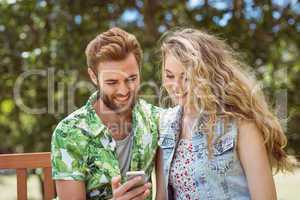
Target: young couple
218,141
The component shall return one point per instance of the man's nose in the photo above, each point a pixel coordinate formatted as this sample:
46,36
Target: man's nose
123,89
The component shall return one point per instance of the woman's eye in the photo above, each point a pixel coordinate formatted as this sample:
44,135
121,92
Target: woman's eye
169,76
184,78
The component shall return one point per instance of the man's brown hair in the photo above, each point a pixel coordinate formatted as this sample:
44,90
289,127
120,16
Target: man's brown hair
114,44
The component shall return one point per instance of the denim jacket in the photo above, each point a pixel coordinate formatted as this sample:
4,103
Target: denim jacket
220,177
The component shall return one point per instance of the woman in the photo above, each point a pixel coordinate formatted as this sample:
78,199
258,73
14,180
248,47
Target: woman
221,141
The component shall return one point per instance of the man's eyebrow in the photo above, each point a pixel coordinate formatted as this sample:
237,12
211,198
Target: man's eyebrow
133,76
110,80
114,80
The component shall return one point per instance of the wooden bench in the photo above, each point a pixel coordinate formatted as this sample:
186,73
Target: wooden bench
22,162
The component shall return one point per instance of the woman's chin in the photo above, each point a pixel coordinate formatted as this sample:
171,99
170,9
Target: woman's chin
179,101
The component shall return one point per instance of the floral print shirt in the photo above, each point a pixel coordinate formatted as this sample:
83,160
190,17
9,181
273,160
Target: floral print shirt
83,149
182,172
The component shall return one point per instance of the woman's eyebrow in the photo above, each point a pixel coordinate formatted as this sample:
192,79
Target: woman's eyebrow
168,71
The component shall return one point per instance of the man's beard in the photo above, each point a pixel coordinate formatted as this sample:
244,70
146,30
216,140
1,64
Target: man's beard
110,103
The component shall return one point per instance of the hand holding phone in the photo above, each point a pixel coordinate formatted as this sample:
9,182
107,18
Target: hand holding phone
134,188
133,174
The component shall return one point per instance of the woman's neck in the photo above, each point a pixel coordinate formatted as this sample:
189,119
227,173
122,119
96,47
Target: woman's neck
190,112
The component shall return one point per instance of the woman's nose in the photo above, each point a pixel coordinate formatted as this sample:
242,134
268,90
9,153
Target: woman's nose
178,84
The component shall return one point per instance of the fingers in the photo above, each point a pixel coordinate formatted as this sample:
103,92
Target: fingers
129,184
116,182
146,194
130,190
137,192
142,196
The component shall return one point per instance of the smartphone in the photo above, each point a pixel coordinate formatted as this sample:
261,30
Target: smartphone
132,174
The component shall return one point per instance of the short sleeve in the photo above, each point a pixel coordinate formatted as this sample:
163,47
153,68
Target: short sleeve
68,153
156,112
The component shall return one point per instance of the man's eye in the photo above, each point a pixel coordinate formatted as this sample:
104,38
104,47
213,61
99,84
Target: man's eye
131,79
111,83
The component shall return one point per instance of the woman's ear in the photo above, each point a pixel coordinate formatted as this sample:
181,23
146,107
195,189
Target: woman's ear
93,76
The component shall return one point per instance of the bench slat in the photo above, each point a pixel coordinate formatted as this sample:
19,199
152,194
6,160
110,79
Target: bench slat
48,184
22,184
25,160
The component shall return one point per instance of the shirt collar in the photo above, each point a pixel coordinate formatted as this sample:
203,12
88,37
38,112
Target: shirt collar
98,126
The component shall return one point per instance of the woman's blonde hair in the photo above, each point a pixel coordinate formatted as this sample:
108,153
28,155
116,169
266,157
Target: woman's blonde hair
219,84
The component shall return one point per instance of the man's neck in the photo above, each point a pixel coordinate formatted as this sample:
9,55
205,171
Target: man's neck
119,123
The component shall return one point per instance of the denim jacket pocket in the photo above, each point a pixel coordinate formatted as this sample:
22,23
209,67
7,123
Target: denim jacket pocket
224,144
166,141
167,144
223,154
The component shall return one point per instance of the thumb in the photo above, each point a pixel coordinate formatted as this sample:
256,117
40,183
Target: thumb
115,182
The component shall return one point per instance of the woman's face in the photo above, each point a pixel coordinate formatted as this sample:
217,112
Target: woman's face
175,80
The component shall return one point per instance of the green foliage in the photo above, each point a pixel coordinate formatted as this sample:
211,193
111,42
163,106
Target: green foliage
50,36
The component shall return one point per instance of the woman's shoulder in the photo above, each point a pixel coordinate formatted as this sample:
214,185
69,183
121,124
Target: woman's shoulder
171,110
170,117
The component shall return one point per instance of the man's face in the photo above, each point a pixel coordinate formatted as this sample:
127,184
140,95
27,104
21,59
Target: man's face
119,82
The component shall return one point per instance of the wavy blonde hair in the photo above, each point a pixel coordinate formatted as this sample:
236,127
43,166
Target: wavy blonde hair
219,84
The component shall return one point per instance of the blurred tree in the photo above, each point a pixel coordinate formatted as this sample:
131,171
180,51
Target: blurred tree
43,42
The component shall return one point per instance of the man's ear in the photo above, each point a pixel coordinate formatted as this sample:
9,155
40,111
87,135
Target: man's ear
92,76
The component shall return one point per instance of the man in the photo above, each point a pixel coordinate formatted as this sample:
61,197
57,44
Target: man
114,132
